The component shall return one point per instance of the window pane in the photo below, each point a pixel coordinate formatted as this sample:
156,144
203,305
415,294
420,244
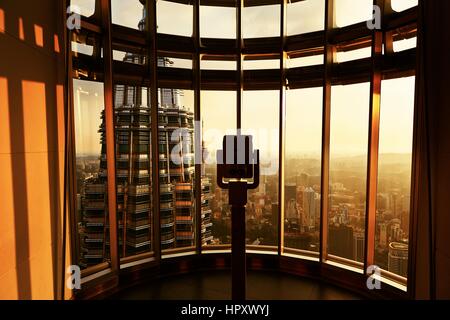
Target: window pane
177,166
349,12
401,45
92,215
362,53
261,21
261,64
86,7
128,13
305,16
394,175
260,118
133,165
304,61
218,119
178,63
401,5
217,65
303,168
348,170
174,18
82,48
217,22
128,57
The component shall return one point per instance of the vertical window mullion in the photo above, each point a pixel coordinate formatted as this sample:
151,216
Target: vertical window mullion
373,143
110,135
70,187
329,57
198,129
152,64
282,127
240,72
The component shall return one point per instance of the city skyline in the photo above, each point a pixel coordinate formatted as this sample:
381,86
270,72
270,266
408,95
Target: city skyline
348,156
87,111
302,104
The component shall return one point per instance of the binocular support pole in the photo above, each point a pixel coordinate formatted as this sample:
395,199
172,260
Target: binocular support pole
238,177
238,200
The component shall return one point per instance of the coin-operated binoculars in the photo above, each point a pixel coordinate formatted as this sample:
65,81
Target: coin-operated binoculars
238,171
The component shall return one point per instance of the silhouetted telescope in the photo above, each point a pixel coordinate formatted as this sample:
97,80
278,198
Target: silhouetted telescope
238,171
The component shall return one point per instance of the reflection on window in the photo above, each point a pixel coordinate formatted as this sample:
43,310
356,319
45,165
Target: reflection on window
92,214
87,7
406,44
133,149
133,146
128,14
119,55
218,119
394,175
260,118
177,168
174,18
128,57
217,22
343,56
217,65
133,166
261,21
401,5
349,12
304,61
178,63
176,175
348,170
261,64
305,16
303,168
82,48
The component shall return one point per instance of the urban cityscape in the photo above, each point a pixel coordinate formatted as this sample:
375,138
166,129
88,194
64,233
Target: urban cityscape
346,224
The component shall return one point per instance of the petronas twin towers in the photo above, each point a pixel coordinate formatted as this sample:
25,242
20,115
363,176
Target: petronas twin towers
134,172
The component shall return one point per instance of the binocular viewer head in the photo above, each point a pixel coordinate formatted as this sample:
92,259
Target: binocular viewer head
237,160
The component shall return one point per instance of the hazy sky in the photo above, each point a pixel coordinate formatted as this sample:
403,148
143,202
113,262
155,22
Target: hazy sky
88,105
260,108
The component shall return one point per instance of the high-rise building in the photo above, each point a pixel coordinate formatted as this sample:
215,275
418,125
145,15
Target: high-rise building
398,258
291,202
358,246
309,210
133,173
292,212
341,241
405,214
382,201
383,234
290,191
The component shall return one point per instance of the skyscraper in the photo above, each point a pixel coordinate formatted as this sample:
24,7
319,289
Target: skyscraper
290,191
398,258
383,234
341,241
309,210
290,202
133,173
358,246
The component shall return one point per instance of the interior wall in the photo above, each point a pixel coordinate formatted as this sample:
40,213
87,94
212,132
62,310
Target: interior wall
432,272
31,149
438,104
